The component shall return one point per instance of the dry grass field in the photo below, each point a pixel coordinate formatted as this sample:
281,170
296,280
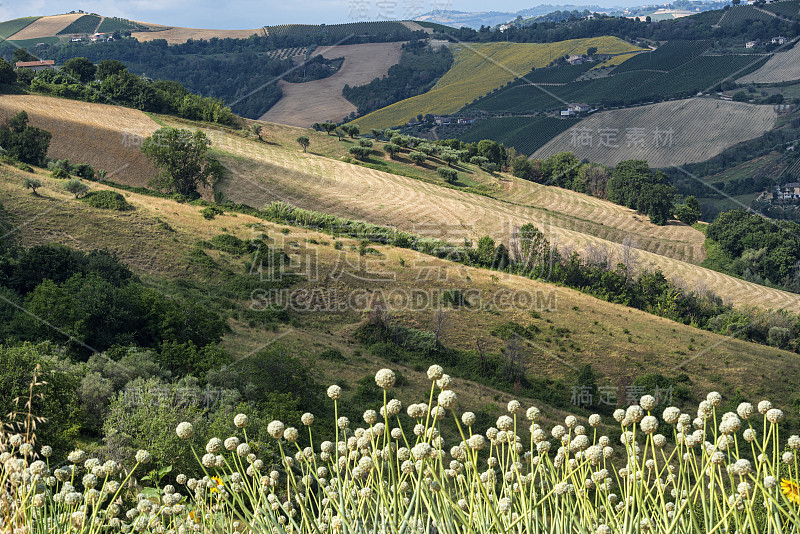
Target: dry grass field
664,134
45,27
617,341
478,69
303,104
262,173
781,67
107,137
181,35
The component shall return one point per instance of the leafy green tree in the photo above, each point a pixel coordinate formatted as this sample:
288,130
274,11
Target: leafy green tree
81,68
303,141
182,158
485,251
55,398
7,74
109,67
689,212
417,157
22,55
521,167
450,175
33,184
391,149
24,143
449,156
76,187
360,152
561,169
376,133
366,143
491,150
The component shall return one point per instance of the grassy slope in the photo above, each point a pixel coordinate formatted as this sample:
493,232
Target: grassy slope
618,342
480,68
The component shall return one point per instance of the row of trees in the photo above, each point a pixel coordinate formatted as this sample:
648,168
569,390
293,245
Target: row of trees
110,82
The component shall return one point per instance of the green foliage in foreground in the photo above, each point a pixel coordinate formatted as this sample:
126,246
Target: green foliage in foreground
668,475
109,200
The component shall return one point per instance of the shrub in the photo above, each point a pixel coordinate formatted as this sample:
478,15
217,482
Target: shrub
24,167
210,212
230,244
366,143
59,173
417,157
360,152
107,200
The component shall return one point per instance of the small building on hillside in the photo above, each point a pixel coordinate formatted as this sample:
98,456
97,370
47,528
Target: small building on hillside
779,40
579,108
98,37
751,44
790,191
575,60
36,66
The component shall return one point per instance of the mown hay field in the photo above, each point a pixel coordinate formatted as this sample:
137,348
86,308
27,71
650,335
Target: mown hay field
181,35
107,137
303,104
45,27
156,237
781,67
262,173
480,68
664,134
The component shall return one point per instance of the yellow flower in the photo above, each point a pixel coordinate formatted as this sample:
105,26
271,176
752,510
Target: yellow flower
194,517
791,490
219,484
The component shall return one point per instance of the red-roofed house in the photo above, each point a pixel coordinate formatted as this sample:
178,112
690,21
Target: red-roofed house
36,66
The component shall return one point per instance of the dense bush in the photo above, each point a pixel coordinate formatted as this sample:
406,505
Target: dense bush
109,200
24,143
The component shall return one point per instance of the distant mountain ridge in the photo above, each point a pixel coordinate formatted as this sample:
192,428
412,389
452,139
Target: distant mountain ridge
492,18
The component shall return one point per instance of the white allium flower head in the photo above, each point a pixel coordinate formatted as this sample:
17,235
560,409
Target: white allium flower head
594,420
396,433
435,372
307,418
334,392
243,449
343,422
276,428
787,457
46,451
504,422
533,413
714,398
214,445
745,410
571,421
370,417
704,410
514,406
764,406
291,434
448,399
385,378
619,415
634,413
394,407
671,415
794,442
185,430
749,435
774,415
446,382
142,457
647,402
232,442
240,420
468,418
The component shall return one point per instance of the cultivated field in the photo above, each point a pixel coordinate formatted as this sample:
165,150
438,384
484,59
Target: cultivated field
781,67
478,69
303,104
598,328
10,27
617,60
664,134
45,27
181,35
107,137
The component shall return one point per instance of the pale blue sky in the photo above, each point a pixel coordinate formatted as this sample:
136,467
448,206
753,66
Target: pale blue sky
246,14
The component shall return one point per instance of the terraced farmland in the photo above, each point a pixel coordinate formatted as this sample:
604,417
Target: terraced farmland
45,27
525,134
781,67
85,24
478,69
559,74
343,31
286,53
665,134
